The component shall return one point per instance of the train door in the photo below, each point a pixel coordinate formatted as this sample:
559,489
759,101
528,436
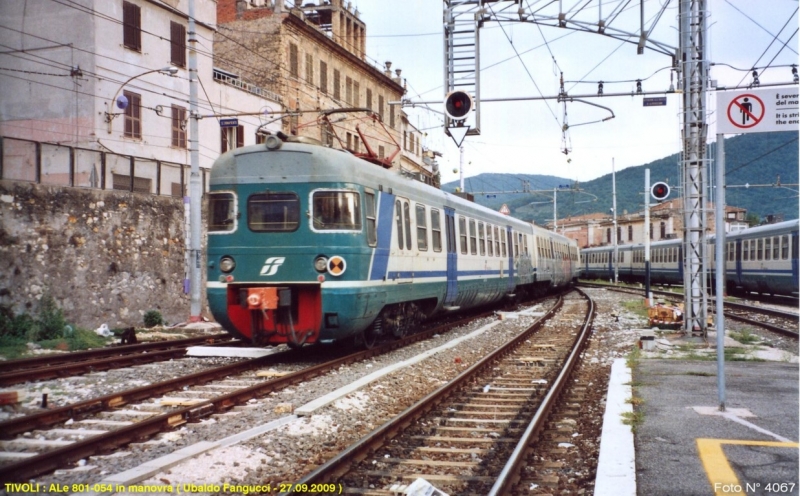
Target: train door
510,241
794,259
452,259
738,261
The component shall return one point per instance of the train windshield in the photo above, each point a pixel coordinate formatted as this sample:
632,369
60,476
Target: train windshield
221,212
273,212
336,210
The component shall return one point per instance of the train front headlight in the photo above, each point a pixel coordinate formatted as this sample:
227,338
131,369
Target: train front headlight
321,263
226,264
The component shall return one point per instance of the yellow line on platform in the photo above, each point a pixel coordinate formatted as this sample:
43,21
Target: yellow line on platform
720,473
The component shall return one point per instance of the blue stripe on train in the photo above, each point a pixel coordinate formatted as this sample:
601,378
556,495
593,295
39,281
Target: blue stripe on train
380,260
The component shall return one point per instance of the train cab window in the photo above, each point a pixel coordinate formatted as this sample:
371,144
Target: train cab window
489,240
785,247
776,248
422,228
398,213
274,212
760,250
482,239
221,212
436,230
336,211
496,241
407,223
768,249
369,206
473,240
462,231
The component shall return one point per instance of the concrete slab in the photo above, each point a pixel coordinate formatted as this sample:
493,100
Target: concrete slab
227,351
616,466
681,449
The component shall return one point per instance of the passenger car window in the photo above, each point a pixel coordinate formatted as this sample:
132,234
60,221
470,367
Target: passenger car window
398,213
436,230
336,210
273,212
372,236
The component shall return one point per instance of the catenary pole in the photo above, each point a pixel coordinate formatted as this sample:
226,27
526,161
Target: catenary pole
614,210
194,178
719,245
647,235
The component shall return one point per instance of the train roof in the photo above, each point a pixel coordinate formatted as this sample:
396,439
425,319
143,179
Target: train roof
310,163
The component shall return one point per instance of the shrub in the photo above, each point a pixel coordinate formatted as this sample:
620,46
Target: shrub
153,318
50,322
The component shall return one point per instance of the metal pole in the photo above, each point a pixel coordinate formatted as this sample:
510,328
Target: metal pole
614,209
194,178
461,166
555,210
719,247
647,235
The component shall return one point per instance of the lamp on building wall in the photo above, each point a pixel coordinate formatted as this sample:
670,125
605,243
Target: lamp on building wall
122,100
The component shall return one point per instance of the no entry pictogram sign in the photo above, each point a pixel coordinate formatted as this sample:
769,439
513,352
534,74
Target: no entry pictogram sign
758,110
746,111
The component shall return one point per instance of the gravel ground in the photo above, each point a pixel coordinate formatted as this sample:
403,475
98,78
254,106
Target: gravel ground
291,451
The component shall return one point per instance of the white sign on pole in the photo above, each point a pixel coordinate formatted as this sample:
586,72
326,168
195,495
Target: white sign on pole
758,110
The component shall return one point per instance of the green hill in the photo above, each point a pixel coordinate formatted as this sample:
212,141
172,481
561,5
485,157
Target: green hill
754,159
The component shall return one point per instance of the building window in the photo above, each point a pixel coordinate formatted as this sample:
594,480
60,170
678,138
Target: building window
663,227
630,233
337,90
132,26
651,230
619,234
178,126
381,151
310,68
133,115
608,235
369,98
323,77
380,106
356,94
348,90
391,115
231,138
177,44
293,71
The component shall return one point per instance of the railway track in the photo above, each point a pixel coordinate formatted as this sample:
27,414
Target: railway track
780,322
465,437
56,438
80,362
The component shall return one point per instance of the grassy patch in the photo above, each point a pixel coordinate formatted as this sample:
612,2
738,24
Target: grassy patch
636,307
633,419
633,357
700,374
745,337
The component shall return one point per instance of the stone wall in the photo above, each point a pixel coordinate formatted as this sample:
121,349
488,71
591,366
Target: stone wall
104,256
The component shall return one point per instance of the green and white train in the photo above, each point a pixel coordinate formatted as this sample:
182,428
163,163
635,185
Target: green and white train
308,244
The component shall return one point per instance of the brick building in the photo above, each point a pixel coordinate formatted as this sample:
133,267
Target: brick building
313,54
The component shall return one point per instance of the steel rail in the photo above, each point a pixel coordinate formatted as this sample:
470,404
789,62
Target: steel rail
510,473
28,468
791,333
51,360
342,463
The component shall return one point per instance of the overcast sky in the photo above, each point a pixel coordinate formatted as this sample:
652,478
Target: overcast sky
526,137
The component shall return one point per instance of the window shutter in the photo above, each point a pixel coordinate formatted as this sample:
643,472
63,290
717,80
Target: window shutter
223,133
178,44
239,136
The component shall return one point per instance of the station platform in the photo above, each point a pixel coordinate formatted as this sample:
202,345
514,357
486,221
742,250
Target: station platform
683,443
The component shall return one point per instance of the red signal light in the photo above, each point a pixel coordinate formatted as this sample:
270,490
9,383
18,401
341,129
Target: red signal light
660,191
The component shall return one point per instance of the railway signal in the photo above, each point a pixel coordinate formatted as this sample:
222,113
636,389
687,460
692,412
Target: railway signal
660,191
458,104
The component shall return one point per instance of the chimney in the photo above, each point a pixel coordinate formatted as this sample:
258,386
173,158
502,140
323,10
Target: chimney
388,71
